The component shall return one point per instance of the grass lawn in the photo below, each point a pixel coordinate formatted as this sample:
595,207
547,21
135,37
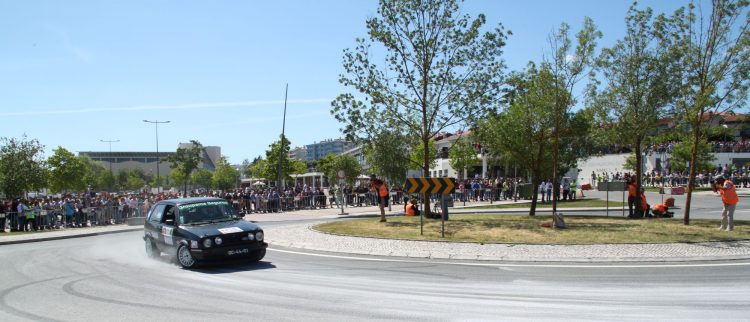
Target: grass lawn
579,203
516,229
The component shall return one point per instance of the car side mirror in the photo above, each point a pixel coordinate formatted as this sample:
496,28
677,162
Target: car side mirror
169,222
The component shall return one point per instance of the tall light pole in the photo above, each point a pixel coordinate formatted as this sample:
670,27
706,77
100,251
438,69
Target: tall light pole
158,176
110,161
281,152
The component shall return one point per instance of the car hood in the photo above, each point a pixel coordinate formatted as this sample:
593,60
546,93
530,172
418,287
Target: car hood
221,228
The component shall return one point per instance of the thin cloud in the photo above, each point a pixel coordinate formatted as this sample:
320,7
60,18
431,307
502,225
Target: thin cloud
257,120
166,107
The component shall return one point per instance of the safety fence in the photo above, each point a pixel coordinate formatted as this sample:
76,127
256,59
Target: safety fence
48,219
265,204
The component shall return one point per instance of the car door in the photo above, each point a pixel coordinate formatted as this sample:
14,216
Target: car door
167,229
154,224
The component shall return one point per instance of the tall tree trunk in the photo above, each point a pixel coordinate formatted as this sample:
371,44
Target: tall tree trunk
555,157
691,176
638,174
534,194
426,173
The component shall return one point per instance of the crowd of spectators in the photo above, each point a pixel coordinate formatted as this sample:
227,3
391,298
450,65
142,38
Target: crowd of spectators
490,189
667,147
102,208
666,178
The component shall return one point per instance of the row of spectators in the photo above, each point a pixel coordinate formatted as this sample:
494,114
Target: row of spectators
667,147
739,175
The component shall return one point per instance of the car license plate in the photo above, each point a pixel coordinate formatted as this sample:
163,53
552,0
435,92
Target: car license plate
238,251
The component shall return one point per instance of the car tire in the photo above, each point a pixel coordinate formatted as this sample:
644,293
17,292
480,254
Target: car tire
151,250
184,257
258,255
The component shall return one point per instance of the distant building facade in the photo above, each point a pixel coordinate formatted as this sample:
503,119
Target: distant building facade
318,150
148,161
298,153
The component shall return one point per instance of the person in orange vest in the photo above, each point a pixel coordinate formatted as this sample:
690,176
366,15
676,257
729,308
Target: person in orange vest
661,210
632,190
644,204
381,191
729,198
411,208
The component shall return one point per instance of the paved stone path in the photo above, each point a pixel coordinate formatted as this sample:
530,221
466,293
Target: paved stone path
304,237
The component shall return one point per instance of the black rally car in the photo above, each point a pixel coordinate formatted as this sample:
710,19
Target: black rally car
201,229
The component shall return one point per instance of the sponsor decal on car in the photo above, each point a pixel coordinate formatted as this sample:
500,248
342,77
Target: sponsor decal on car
201,204
230,230
167,232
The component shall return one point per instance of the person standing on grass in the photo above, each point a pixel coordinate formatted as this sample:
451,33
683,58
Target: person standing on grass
729,198
380,189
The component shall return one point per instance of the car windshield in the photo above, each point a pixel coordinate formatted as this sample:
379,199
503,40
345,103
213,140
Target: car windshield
204,212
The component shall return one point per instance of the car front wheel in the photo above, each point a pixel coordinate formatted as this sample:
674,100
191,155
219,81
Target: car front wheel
184,258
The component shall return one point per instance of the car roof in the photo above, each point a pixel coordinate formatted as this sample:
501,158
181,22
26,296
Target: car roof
185,201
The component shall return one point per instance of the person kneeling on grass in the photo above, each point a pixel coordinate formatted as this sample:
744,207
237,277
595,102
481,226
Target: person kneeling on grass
644,209
411,208
661,210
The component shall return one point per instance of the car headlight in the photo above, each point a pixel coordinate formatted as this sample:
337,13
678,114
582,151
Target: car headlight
218,241
259,236
207,243
251,236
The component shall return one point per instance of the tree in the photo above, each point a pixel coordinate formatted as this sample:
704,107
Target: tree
325,164
639,86
96,175
122,179
347,163
225,177
270,167
430,154
681,156
66,171
715,67
568,66
522,133
203,178
387,154
185,161
298,166
136,179
255,168
444,72
22,166
462,155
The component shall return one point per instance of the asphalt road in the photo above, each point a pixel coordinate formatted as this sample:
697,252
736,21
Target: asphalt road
108,277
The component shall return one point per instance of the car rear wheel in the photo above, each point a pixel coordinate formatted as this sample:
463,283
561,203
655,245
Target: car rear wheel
184,258
258,255
151,250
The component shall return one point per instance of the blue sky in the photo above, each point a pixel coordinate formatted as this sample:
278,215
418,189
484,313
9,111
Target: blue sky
73,73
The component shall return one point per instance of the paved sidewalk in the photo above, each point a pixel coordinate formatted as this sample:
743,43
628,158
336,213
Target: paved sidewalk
6,239
302,236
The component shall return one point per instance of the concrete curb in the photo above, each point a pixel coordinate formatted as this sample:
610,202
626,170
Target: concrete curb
33,240
305,238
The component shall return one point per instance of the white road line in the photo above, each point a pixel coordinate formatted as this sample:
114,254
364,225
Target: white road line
500,265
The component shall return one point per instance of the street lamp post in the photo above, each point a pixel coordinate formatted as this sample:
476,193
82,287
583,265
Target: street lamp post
110,160
158,176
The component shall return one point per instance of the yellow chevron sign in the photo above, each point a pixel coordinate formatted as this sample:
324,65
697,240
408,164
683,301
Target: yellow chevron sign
430,185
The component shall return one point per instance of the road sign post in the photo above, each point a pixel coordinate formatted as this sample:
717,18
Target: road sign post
341,174
443,186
